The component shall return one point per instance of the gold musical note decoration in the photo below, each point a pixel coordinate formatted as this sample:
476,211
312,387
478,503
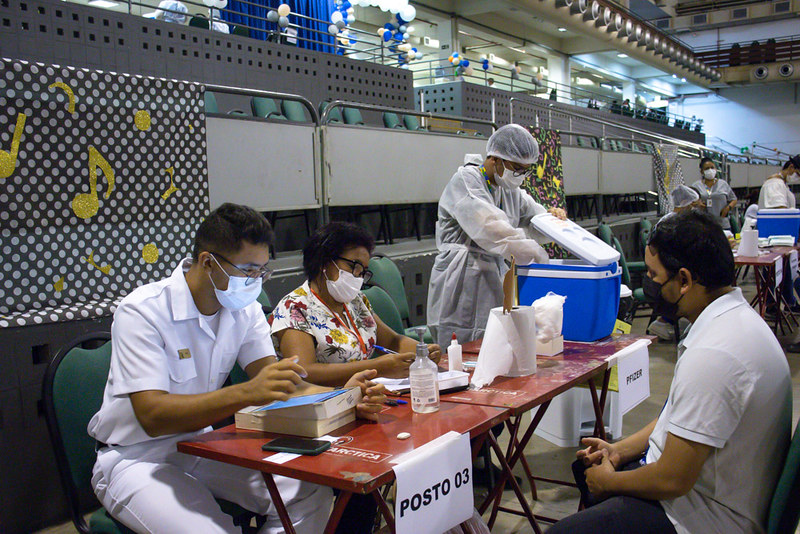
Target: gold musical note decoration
8,160
105,269
58,285
85,205
172,188
150,253
540,168
142,120
70,95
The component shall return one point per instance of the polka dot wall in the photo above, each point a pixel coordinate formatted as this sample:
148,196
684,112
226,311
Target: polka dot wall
102,183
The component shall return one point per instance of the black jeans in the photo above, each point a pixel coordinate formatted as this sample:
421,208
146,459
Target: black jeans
617,515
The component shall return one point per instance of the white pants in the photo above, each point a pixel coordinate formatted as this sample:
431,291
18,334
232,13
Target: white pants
152,488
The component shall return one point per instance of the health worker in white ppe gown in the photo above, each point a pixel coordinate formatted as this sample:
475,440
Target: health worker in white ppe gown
484,219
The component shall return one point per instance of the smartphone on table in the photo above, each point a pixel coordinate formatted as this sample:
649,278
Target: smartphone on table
295,445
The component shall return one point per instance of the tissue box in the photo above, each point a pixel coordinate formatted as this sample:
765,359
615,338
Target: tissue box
778,222
551,348
592,292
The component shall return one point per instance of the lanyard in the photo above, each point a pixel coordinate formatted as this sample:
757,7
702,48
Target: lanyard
353,331
482,170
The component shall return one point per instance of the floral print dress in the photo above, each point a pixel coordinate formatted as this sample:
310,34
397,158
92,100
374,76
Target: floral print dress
335,340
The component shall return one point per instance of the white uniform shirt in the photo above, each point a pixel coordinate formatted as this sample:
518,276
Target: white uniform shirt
731,391
161,342
775,194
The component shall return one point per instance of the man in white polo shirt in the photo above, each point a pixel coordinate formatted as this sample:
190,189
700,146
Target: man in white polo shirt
775,192
710,461
174,342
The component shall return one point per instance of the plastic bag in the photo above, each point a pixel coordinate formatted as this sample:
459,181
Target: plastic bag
549,316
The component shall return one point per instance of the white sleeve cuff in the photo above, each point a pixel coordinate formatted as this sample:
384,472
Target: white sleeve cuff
697,437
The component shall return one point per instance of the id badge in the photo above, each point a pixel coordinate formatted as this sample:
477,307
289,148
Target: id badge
708,203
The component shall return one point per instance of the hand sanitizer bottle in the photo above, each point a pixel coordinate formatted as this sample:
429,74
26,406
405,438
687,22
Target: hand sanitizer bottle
423,375
454,362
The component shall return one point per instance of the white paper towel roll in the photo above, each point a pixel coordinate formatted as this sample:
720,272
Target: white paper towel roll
508,347
749,244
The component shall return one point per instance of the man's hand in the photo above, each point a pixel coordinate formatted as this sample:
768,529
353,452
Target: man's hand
373,395
558,212
396,365
595,451
276,381
725,211
434,352
598,474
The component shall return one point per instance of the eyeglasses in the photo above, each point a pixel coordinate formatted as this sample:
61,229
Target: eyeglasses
518,172
263,273
358,270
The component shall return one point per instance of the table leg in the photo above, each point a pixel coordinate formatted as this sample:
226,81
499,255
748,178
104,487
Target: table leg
338,510
759,291
517,490
599,425
384,509
275,495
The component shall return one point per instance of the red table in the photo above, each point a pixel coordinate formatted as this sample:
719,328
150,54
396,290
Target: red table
579,363
765,272
359,462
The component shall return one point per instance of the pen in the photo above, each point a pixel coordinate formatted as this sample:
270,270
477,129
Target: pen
384,349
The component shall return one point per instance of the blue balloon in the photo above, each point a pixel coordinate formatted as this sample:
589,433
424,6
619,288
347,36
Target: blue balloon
465,63
414,49
486,65
398,36
346,4
387,36
389,26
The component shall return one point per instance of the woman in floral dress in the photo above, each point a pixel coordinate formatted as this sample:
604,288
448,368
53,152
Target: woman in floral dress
328,320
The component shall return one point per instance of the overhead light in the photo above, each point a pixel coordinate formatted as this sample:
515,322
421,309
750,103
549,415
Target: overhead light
617,89
683,80
622,55
105,4
675,76
562,29
606,86
583,81
521,51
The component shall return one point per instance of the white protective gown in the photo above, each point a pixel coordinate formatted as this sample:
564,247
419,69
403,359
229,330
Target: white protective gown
476,230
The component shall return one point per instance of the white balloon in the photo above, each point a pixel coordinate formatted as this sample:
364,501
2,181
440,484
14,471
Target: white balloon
469,71
408,13
381,31
284,10
336,16
456,60
221,4
406,36
333,29
403,28
209,3
351,10
405,47
351,18
273,16
412,54
283,22
419,55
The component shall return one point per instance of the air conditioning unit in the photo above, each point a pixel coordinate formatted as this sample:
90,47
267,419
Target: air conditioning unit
664,24
739,13
700,19
432,43
781,7
783,72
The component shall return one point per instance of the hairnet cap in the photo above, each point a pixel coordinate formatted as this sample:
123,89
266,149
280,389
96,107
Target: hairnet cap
682,196
513,143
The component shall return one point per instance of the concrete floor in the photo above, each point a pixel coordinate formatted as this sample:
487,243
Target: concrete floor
551,461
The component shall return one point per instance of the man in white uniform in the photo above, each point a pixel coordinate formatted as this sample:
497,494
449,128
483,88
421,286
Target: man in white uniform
484,219
174,342
775,192
710,460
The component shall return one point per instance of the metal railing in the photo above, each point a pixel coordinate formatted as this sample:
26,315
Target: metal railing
755,53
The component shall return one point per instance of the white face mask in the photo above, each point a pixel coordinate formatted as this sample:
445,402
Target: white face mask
793,178
710,174
345,288
507,180
239,294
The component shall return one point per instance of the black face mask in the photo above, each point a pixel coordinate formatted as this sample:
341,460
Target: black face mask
663,307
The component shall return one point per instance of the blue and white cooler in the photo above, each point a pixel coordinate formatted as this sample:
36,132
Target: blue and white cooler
779,221
591,283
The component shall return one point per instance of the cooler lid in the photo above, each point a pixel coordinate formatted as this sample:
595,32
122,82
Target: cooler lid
576,239
772,212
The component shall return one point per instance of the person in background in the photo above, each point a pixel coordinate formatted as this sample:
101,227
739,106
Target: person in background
484,219
173,345
684,198
490,82
172,11
328,324
615,107
775,192
715,192
751,213
730,402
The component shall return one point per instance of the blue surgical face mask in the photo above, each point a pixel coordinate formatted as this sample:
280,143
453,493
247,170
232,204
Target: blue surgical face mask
239,294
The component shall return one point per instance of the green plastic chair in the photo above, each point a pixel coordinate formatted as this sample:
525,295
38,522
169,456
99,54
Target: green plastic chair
391,120
645,228
383,306
199,21
210,101
605,234
335,114
639,299
241,30
784,510
294,111
353,116
736,225
265,108
411,122
72,393
386,275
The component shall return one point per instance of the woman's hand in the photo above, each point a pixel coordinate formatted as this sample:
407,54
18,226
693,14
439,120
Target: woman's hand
434,352
593,453
373,395
558,212
395,365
